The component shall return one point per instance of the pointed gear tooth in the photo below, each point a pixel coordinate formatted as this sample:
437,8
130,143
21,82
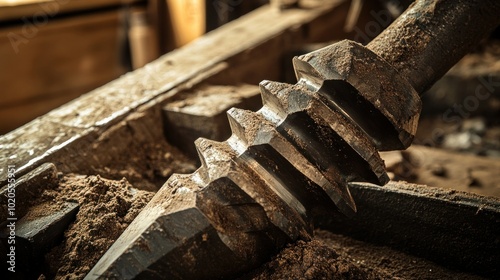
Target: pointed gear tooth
345,203
290,98
270,97
306,74
234,115
203,169
256,128
274,91
246,121
211,150
216,155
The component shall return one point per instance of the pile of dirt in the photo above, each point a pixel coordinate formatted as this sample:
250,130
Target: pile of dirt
445,169
334,256
387,262
311,260
147,161
148,167
107,207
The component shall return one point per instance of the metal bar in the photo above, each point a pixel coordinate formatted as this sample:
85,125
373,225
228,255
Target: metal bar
431,36
453,228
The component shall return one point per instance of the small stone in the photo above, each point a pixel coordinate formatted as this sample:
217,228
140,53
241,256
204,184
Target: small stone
438,170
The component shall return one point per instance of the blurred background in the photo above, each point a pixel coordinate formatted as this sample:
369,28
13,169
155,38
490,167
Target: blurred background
52,51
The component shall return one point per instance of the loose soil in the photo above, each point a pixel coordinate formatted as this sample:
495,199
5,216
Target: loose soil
107,207
137,150
333,256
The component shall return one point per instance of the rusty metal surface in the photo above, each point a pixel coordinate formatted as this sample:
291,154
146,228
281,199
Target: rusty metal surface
449,227
283,165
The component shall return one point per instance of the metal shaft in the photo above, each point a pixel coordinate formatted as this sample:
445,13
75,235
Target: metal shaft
432,35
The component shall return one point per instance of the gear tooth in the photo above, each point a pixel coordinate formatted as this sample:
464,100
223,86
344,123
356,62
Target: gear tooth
249,123
270,97
339,192
345,203
212,150
253,125
203,172
275,91
216,156
234,115
289,98
306,74
174,181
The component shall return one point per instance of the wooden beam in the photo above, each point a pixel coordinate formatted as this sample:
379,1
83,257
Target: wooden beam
15,10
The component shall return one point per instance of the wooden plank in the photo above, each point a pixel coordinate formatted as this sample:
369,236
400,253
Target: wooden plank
18,114
201,112
13,10
63,134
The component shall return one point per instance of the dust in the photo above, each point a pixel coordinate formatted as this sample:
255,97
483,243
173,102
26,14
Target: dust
107,207
334,256
386,262
146,165
311,260
41,210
